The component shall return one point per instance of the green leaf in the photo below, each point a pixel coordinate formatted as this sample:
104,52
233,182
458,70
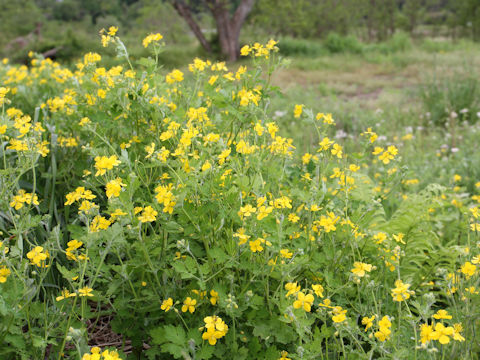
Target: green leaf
205,352
177,351
169,333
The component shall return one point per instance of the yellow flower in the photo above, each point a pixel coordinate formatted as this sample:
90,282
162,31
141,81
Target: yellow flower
148,215
104,163
475,212
297,112
101,93
65,295
166,304
285,253
284,356
426,333
151,38
206,166
245,50
23,197
380,237
368,322
442,333
215,329
325,144
293,218
318,290
150,149
442,314
114,187
384,331
339,315
246,211
214,297
99,223
457,329
256,246
86,206
212,79
240,234
74,244
174,76
337,150
4,273
399,238
211,138
189,305
303,301
263,212
165,197
292,288
37,256
211,335
353,167
360,268
112,30
85,291
468,269
401,292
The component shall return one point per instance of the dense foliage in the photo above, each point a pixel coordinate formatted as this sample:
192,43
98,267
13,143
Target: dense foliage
170,210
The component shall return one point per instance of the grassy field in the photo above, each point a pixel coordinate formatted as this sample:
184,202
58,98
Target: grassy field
387,92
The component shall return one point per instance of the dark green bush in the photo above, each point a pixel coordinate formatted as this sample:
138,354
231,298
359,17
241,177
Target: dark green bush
336,43
294,47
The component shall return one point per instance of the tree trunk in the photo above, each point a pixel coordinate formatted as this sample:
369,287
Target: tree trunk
228,27
225,31
184,11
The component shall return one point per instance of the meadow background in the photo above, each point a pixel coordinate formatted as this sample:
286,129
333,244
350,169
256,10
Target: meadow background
309,190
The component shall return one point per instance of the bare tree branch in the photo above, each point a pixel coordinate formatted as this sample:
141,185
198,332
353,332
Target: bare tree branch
184,11
242,12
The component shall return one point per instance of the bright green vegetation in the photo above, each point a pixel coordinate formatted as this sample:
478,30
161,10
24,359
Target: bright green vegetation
201,213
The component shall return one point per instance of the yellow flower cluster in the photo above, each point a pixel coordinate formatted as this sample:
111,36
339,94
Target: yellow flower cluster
384,331
151,38
439,332
108,36
385,155
215,328
100,223
4,273
174,76
104,163
259,50
3,93
114,187
304,300
38,256
148,214
23,197
79,193
71,251
97,354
